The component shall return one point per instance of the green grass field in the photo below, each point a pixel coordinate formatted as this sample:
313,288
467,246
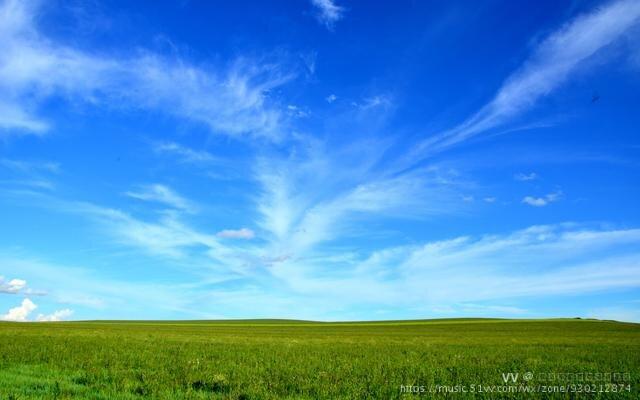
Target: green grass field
280,359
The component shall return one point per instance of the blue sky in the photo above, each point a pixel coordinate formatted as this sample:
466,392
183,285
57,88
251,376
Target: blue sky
322,159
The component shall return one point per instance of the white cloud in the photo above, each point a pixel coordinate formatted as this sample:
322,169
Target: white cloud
185,154
171,239
242,233
32,174
296,111
481,275
59,315
526,177
551,64
168,236
328,12
331,98
535,201
231,101
489,199
33,183
538,261
309,61
212,166
17,119
13,286
542,201
20,313
318,196
165,235
535,261
374,101
162,194
109,297
30,167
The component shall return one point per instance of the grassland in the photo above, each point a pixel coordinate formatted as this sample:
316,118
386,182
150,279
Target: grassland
281,359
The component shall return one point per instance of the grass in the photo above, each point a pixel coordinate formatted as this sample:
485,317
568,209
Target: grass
285,359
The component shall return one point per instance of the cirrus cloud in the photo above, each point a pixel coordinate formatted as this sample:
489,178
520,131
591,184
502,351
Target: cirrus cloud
552,63
232,100
243,233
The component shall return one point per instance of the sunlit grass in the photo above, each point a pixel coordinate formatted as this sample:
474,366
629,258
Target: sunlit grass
275,359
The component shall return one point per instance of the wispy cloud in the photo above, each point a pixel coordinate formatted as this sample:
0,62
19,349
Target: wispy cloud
538,261
243,233
297,111
551,64
31,174
86,287
315,200
470,275
164,195
526,177
233,100
316,196
328,12
210,165
18,119
373,102
542,201
167,236
186,154
309,62
30,167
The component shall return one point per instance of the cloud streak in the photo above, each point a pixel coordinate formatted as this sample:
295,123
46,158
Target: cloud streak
242,233
526,177
316,196
538,261
186,154
551,64
88,288
230,101
164,195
